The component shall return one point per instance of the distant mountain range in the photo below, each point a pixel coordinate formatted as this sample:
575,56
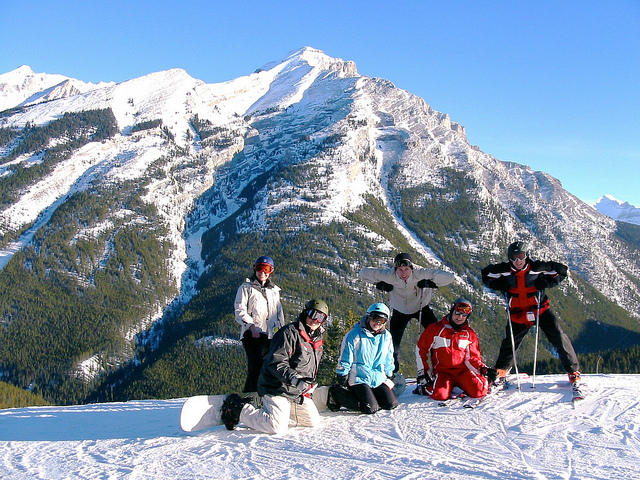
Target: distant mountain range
618,210
131,212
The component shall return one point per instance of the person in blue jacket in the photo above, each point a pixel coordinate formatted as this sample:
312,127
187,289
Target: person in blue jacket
365,366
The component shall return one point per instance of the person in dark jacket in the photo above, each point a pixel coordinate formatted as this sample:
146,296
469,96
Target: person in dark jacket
287,379
524,281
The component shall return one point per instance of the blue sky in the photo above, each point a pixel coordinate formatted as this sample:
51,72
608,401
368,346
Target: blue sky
553,85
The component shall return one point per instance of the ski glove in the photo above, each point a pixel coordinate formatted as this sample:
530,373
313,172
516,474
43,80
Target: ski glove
342,380
306,388
427,284
425,380
490,373
384,286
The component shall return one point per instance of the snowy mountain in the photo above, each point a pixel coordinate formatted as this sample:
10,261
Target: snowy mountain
618,210
22,87
130,213
533,434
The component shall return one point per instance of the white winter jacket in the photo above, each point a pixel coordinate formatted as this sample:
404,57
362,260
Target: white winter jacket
406,297
260,306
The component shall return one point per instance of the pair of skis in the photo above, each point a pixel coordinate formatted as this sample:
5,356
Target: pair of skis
470,402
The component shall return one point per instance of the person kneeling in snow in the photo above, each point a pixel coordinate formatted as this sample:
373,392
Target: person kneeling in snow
365,366
287,379
452,347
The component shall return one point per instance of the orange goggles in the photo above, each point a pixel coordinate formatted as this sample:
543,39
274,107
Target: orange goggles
263,267
462,309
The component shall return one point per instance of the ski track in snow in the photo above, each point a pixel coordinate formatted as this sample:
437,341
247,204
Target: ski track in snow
532,434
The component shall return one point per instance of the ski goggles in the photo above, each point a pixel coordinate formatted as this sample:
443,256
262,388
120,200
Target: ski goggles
403,263
317,315
379,319
263,267
518,256
462,309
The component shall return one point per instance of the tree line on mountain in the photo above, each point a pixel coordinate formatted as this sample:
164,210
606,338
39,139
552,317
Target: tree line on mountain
14,397
70,132
77,290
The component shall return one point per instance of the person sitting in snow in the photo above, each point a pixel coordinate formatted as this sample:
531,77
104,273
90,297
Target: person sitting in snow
452,348
287,379
365,365
410,289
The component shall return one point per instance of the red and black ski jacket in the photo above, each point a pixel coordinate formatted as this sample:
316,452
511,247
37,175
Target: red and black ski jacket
294,355
525,288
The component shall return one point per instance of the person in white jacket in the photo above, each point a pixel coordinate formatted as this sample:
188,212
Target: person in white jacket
410,288
259,311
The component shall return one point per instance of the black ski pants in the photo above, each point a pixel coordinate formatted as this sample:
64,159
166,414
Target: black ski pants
256,350
554,333
398,324
363,398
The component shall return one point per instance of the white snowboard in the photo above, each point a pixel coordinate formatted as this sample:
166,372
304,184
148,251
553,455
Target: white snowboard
203,411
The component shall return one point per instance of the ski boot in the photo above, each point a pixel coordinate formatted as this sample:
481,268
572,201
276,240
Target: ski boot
574,378
230,411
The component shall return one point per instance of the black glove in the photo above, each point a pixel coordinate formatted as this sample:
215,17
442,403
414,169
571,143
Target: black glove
342,380
384,286
490,373
427,284
425,380
306,387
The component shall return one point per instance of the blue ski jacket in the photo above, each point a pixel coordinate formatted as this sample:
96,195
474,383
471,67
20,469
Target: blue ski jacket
366,357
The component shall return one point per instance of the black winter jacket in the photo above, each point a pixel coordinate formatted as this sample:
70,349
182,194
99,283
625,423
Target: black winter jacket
294,355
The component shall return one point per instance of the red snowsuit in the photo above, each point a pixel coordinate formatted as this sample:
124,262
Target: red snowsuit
455,360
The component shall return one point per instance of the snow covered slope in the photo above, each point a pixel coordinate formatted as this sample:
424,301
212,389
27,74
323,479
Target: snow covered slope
534,434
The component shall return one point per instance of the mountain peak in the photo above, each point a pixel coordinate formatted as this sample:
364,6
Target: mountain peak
314,58
617,209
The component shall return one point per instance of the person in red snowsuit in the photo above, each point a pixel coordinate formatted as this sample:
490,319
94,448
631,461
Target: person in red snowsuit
523,281
452,349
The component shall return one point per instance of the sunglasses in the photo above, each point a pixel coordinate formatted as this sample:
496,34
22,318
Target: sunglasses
518,256
263,267
317,315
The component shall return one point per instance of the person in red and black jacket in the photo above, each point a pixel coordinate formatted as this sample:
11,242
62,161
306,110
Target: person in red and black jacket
524,280
451,350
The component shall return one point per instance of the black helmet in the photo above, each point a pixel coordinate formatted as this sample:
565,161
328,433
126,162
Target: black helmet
516,248
461,305
403,260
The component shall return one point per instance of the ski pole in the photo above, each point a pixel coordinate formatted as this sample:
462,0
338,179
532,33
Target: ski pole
513,342
535,350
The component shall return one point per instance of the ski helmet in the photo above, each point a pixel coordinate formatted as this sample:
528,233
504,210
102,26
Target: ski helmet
379,310
516,248
461,305
264,263
403,260
318,305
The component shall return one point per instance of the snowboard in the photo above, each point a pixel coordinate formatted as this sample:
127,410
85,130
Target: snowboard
203,411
